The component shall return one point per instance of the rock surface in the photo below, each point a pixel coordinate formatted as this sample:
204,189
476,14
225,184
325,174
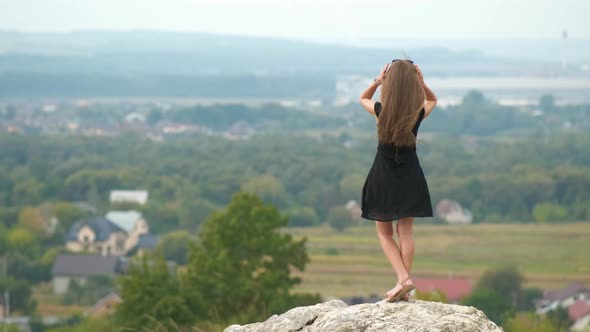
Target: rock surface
413,315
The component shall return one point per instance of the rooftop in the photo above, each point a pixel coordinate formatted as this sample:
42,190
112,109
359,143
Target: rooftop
102,227
124,219
454,288
86,265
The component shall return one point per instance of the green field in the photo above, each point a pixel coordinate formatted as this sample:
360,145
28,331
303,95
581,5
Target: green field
352,262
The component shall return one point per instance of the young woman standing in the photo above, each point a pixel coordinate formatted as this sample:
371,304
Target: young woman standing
395,188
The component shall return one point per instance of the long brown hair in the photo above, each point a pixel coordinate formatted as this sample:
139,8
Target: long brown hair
402,96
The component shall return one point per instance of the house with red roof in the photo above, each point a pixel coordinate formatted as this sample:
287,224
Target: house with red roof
454,288
563,297
579,313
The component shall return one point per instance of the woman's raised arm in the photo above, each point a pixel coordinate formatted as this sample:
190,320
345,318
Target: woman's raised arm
430,96
365,98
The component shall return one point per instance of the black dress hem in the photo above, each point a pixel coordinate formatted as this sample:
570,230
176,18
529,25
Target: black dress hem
415,215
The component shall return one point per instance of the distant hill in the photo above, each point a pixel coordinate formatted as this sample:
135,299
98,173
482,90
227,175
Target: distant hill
157,52
157,63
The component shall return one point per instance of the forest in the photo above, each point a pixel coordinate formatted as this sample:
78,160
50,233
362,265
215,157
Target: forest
505,164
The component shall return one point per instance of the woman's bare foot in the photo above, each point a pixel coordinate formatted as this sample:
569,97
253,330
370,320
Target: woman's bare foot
394,290
398,287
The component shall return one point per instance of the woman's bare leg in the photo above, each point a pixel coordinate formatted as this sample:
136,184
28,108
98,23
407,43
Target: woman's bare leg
392,252
404,229
405,234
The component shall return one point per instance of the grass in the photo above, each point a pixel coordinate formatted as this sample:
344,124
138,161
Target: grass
48,304
352,263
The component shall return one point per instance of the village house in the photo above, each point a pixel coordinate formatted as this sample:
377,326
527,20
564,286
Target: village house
146,242
68,267
116,234
579,313
132,223
564,297
97,235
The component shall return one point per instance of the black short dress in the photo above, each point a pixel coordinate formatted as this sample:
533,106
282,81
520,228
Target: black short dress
395,186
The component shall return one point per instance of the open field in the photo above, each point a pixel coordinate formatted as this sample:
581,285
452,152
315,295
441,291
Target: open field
352,263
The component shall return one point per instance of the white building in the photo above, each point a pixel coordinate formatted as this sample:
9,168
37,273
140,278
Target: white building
452,212
129,196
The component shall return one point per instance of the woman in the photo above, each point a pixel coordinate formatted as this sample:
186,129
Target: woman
395,188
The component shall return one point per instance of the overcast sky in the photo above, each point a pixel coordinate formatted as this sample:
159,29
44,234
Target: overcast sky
310,19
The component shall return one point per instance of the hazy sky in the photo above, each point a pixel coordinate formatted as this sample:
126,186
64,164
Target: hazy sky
310,19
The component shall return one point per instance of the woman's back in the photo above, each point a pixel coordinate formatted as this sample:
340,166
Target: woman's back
403,156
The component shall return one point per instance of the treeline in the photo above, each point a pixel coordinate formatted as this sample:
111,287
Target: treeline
264,117
542,178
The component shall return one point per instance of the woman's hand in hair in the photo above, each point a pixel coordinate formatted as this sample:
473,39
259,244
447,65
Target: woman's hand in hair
379,79
430,96
367,95
420,74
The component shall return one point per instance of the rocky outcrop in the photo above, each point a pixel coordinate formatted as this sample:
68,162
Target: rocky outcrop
414,315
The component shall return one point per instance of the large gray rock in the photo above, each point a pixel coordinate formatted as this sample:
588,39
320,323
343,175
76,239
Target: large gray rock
414,315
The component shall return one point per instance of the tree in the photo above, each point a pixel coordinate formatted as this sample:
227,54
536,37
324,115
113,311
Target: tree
151,295
9,328
493,303
28,191
351,186
560,319
547,102
95,288
339,218
174,246
240,266
93,197
527,298
435,296
23,241
22,267
302,216
68,213
32,219
79,324
473,98
193,212
3,239
162,217
548,211
267,187
20,294
506,280
529,322
154,116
